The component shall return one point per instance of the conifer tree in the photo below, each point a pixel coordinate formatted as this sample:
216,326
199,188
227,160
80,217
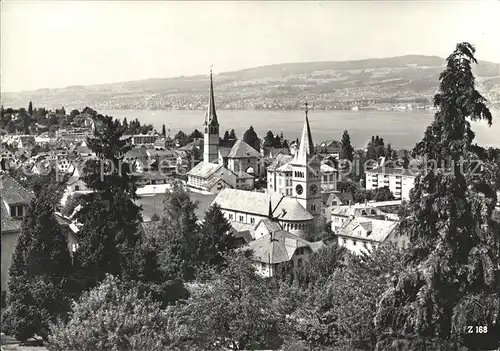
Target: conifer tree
453,261
215,239
251,138
226,135
41,264
232,135
347,151
269,139
30,108
163,131
110,235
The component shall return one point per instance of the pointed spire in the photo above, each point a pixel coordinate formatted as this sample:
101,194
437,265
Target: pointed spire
306,147
211,116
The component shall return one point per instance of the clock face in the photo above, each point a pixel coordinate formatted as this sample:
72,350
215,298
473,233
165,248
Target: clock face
299,189
314,189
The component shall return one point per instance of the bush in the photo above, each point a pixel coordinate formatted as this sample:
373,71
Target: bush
113,316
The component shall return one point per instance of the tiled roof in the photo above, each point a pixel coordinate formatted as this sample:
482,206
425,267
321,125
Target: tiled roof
272,226
11,192
287,167
278,247
224,151
326,168
378,230
356,211
288,209
241,149
214,181
204,169
394,171
196,143
279,161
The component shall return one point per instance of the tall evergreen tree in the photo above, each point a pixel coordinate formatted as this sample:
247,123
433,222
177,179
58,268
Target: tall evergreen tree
269,139
232,135
163,131
452,275
109,236
178,234
41,263
347,151
30,108
226,135
251,138
215,239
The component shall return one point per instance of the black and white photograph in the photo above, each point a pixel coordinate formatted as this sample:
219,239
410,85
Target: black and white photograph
250,175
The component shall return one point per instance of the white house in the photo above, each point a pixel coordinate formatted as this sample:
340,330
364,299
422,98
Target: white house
363,234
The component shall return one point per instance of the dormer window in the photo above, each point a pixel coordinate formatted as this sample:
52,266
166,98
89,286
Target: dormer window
17,210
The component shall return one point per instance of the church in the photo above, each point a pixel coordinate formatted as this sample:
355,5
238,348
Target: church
233,164
295,213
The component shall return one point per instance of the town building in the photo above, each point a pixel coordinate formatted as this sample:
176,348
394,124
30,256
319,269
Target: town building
400,181
340,215
235,166
279,247
361,235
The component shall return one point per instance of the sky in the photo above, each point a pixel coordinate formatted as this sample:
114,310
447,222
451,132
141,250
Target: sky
50,44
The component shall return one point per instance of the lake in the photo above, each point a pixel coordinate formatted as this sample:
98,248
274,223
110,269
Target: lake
401,129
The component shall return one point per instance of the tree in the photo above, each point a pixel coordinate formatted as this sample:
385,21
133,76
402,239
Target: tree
72,202
163,131
226,135
11,127
454,253
196,134
347,151
383,194
112,316
125,124
371,152
232,135
277,142
38,292
215,240
251,138
341,309
182,138
178,234
109,236
269,139
235,311
30,108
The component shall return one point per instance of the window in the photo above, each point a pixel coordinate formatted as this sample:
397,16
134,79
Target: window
248,160
17,211
299,262
262,265
230,216
344,240
241,218
252,220
77,187
354,243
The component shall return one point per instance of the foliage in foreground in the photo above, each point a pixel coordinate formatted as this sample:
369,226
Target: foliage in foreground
114,316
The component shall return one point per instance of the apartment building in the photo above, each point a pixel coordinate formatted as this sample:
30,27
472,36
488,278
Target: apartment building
400,181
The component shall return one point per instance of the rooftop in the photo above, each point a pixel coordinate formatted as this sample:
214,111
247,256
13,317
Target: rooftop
374,229
241,149
288,209
393,171
204,169
279,247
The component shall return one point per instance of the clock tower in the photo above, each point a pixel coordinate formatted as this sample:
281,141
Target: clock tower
306,175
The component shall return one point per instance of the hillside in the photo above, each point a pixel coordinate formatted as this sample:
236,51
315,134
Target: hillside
370,83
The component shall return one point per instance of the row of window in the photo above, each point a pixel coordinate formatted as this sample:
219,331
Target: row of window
17,211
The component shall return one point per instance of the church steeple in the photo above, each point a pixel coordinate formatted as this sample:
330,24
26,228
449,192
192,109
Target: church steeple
211,113
211,137
306,147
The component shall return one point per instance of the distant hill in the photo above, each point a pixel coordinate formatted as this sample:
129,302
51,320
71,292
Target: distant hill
326,85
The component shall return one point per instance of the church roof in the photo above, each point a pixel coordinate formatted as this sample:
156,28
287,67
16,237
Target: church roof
241,149
286,208
204,169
